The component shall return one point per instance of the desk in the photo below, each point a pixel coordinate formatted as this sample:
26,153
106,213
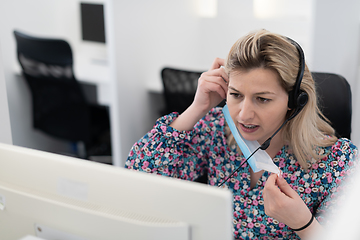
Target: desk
155,86
97,72
29,237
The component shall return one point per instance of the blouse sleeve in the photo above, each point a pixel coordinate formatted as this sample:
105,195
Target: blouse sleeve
167,151
341,162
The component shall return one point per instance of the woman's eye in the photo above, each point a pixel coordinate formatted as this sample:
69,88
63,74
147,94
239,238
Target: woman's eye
263,100
235,95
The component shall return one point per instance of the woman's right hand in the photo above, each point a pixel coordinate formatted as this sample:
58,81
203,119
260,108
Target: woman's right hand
211,90
212,87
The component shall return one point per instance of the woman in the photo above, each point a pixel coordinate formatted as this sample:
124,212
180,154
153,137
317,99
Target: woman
258,75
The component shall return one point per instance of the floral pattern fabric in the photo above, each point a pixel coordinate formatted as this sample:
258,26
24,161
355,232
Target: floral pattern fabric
188,154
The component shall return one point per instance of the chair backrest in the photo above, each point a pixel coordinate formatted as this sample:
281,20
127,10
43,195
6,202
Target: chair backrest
334,96
179,88
59,105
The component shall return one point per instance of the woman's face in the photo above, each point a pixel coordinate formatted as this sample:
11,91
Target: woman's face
257,103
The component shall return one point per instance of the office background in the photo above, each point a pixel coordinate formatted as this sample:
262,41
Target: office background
145,36
5,129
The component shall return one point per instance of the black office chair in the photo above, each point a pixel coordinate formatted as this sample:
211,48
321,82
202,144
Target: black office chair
179,88
334,96
60,108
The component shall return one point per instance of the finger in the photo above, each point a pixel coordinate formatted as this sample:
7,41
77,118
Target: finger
271,181
270,187
220,72
212,85
218,62
270,195
224,76
285,187
216,79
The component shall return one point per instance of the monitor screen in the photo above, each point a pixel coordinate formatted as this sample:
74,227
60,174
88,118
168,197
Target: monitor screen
92,22
53,196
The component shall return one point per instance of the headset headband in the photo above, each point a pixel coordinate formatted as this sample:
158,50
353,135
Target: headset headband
297,97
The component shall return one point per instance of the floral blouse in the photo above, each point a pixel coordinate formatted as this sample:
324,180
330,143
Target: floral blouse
189,154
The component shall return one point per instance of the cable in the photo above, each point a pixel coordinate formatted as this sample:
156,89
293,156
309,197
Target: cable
239,167
263,147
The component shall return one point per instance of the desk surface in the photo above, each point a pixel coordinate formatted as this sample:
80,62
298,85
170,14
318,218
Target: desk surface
154,86
89,70
29,237
95,71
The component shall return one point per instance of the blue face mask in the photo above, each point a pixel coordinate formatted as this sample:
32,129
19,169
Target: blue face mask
260,160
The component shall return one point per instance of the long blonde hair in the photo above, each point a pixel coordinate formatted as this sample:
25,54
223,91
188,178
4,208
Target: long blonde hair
310,128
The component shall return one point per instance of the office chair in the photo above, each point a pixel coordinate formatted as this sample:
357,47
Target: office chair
334,95
179,88
59,106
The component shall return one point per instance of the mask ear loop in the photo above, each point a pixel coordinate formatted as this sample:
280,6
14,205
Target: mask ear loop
226,93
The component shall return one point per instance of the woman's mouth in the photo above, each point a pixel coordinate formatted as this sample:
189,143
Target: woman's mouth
248,128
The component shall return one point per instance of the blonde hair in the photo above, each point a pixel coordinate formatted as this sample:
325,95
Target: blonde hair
310,128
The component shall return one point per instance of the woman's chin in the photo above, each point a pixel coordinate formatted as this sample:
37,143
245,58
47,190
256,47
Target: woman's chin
249,137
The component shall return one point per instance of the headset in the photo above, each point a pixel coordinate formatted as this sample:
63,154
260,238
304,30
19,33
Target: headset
297,97
297,101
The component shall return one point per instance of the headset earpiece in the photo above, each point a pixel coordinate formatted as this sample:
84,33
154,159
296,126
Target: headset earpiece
302,99
301,102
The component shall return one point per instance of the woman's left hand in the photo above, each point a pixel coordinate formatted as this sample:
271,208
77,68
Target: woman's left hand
284,204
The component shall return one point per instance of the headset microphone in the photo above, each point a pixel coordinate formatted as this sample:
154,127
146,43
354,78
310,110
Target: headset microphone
263,146
266,144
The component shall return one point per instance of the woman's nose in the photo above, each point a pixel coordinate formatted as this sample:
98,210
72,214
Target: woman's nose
246,111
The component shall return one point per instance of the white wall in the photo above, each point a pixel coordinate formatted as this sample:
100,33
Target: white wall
335,46
5,129
148,35
335,37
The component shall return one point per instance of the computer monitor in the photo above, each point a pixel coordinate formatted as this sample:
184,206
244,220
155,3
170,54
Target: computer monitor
53,196
92,22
